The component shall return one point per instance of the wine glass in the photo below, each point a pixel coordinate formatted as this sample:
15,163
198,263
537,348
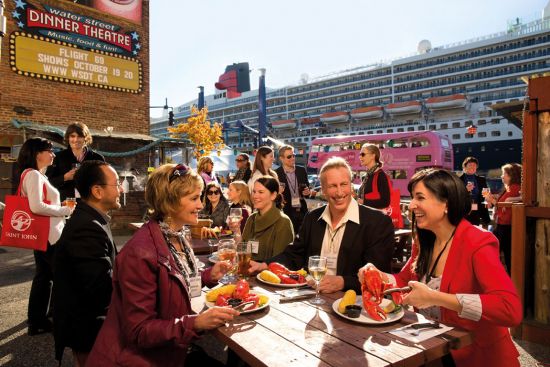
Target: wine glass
485,192
235,216
211,244
317,266
228,251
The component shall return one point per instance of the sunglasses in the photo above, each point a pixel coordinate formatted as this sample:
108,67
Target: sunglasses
240,160
179,171
290,156
213,192
363,154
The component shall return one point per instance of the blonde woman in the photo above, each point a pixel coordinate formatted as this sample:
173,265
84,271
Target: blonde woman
205,168
150,321
239,196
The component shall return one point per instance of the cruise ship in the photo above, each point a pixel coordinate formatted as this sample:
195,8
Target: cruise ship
447,89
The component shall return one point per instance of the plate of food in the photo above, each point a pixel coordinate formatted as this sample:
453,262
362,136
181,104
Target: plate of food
278,275
354,311
234,295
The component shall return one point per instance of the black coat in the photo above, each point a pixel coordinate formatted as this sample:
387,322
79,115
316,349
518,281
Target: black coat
481,215
83,266
296,216
63,163
370,241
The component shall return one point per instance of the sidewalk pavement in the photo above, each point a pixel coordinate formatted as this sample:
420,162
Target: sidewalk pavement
18,349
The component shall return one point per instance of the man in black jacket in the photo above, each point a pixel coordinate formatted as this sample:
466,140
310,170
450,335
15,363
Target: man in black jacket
296,186
84,259
348,234
475,185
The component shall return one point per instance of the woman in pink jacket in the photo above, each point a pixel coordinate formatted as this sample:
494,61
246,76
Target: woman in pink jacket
455,272
150,321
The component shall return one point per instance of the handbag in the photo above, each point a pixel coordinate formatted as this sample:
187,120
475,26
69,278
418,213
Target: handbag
21,227
394,209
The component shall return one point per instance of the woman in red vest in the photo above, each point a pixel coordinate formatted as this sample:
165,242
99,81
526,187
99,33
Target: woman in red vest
375,189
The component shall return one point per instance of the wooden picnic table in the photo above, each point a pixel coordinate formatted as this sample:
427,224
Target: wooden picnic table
301,334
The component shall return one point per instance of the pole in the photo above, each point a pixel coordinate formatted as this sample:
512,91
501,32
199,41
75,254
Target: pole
262,110
201,97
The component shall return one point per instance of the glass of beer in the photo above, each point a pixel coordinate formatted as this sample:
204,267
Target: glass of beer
70,202
244,255
317,266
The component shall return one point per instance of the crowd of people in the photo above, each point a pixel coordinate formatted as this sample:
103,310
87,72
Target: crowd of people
134,307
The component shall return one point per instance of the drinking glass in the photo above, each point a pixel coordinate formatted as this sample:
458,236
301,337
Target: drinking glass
228,251
317,266
211,244
244,255
235,216
282,187
75,165
70,202
485,192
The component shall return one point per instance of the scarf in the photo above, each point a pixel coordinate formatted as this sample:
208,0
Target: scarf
185,260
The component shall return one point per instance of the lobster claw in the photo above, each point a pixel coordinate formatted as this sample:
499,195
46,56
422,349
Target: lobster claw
374,311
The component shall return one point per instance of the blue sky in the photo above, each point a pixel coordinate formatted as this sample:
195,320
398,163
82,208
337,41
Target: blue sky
193,40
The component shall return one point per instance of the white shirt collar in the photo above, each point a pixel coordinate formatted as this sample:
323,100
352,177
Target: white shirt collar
352,214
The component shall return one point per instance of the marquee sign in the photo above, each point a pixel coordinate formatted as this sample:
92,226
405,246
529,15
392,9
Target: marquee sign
82,31
40,57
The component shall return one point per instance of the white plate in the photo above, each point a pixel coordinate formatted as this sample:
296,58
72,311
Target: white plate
364,318
212,304
281,285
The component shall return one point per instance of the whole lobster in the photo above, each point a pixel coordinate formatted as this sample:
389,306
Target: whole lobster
372,288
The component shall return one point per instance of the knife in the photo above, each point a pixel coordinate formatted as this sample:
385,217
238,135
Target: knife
295,298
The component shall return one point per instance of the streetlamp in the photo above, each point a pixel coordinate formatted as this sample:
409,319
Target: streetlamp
426,114
166,107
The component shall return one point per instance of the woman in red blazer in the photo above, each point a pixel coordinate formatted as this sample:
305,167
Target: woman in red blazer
455,272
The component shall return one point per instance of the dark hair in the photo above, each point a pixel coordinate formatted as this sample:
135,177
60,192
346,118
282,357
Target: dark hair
29,150
88,175
514,171
272,184
258,164
81,129
470,160
207,203
448,188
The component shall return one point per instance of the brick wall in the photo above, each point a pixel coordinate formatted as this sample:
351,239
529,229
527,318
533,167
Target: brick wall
58,103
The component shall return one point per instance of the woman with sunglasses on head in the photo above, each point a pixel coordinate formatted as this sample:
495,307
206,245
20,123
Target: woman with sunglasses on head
262,166
268,225
455,271
375,189
150,321
35,156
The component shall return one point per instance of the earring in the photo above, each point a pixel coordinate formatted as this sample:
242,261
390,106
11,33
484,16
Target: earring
446,211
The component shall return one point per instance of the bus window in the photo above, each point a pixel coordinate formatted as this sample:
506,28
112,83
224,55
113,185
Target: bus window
332,148
394,143
315,149
398,174
419,142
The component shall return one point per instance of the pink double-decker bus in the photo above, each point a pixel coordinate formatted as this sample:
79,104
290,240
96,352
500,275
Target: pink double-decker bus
403,153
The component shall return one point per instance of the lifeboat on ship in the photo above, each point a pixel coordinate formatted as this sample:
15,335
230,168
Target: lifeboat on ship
454,101
402,108
283,124
333,117
367,112
309,121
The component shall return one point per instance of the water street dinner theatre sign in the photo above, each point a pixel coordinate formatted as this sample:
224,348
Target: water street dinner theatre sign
64,46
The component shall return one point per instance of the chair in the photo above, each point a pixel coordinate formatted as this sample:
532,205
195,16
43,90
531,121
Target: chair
402,250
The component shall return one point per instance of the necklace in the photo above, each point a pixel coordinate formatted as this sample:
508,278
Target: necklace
430,274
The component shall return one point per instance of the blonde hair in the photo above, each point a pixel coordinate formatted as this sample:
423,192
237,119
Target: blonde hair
333,163
244,197
203,161
165,189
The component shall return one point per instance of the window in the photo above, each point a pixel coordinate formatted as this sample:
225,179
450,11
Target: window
444,126
421,127
456,125
410,128
510,133
495,133
400,129
456,136
389,131
432,127
468,136
482,134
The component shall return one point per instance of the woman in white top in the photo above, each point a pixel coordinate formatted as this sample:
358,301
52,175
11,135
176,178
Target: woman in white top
35,156
262,166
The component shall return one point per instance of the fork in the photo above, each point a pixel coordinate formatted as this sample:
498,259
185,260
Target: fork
422,326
